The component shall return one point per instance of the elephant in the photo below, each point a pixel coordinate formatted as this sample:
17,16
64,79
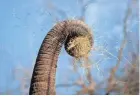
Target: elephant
43,77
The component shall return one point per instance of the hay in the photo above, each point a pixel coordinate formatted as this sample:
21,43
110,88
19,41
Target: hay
79,46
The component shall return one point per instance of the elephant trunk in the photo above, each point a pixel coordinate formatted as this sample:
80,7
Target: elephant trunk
43,78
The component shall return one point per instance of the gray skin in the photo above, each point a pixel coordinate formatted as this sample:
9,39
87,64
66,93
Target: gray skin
44,72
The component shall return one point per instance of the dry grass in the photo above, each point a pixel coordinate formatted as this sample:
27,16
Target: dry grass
80,46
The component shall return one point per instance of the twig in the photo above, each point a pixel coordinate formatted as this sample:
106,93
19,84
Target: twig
111,80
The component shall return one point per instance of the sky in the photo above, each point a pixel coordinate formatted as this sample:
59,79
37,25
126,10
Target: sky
25,23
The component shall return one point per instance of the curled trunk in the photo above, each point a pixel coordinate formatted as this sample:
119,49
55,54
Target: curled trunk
43,78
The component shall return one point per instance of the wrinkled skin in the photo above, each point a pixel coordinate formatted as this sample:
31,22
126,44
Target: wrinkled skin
44,73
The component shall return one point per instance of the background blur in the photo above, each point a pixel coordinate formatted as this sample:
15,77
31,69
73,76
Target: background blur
114,60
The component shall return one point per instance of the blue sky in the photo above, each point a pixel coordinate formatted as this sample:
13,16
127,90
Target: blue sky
24,24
